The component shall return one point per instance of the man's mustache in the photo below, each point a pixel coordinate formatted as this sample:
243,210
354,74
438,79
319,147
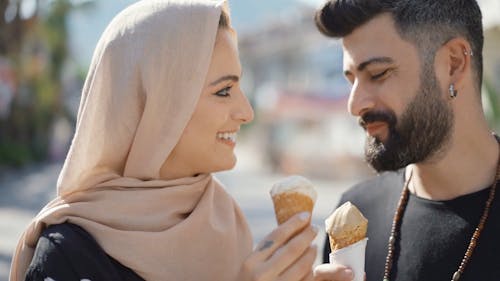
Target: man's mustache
377,116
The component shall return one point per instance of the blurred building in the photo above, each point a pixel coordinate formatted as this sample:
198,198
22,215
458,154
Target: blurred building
293,76
7,86
491,53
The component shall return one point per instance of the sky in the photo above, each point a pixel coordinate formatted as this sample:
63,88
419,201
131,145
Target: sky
87,25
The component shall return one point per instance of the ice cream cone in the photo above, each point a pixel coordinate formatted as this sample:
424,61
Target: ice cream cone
292,195
346,226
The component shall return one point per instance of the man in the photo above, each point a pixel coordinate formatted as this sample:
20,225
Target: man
416,71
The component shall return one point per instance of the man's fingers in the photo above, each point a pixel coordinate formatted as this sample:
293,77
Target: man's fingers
332,272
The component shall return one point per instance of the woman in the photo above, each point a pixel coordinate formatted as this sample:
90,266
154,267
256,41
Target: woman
160,111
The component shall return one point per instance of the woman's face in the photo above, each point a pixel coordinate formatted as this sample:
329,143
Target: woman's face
208,141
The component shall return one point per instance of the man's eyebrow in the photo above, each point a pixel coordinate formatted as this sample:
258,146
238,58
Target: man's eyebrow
376,60
233,78
384,60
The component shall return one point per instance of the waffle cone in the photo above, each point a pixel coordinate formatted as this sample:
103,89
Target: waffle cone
287,204
347,238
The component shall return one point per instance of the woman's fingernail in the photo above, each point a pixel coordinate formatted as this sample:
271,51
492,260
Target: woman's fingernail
348,274
304,216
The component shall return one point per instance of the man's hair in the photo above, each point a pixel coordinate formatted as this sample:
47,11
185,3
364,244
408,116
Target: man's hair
224,20
427,24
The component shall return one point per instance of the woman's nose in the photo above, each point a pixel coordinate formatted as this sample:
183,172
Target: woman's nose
244,111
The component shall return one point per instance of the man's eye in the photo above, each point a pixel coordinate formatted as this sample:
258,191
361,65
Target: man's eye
380,75
224,92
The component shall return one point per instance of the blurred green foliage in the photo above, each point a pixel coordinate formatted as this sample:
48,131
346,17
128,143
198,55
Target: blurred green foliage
490,99
36,48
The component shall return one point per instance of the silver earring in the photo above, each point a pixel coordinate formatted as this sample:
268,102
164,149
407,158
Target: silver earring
468,53
453,92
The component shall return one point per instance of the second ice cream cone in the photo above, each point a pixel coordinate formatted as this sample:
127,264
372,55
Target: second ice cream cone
346,226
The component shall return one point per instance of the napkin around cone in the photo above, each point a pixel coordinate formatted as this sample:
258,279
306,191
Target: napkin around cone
352,256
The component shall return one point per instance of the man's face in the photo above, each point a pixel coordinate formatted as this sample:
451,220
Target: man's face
396,96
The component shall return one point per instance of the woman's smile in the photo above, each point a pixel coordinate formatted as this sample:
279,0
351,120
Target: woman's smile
228,138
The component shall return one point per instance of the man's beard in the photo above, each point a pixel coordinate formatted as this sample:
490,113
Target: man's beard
422,131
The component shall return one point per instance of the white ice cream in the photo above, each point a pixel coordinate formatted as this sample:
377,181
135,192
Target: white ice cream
295,184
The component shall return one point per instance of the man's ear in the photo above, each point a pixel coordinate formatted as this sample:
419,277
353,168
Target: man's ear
458,56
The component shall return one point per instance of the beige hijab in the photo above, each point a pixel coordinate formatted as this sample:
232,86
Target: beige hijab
147,73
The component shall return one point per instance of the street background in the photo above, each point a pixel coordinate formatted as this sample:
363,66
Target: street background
26,191
292,76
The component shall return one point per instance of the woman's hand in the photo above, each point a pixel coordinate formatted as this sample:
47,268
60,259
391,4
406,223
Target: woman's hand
332,272
285,254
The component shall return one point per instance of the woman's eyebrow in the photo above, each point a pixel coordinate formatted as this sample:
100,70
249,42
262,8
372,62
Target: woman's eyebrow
233,78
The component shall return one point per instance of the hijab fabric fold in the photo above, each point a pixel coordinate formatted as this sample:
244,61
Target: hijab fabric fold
146,75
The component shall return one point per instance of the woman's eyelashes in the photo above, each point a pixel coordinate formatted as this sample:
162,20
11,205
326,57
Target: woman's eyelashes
224,92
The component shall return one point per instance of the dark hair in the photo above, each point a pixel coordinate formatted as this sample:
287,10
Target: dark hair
224,20
427,24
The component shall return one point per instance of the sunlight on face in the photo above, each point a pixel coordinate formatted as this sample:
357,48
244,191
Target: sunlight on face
208,141
396,96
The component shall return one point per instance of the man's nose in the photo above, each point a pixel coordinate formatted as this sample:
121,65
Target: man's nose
360,100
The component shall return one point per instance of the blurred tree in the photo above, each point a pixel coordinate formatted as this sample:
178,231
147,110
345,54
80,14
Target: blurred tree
34,39
490,99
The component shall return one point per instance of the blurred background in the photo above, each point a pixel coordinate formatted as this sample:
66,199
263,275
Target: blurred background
292,76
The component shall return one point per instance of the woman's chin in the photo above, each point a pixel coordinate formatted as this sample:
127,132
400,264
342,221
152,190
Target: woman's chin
229,165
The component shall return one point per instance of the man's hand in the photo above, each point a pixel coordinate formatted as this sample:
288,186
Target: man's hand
332,272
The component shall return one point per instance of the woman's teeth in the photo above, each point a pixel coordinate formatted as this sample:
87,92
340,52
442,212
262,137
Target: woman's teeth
227,136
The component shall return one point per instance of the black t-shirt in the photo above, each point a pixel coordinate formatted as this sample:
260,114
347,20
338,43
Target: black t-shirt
67,252
434,235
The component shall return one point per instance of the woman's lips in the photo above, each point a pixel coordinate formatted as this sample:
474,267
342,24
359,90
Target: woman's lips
227,142
228,138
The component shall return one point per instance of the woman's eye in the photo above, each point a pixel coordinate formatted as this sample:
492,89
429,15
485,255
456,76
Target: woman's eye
380,74
224,92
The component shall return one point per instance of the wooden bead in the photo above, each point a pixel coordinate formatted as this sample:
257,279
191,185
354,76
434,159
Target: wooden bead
392,240
403,200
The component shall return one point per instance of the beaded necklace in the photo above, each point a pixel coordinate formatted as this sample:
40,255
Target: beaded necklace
396,224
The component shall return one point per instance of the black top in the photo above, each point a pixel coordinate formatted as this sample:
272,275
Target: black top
434,235
67,252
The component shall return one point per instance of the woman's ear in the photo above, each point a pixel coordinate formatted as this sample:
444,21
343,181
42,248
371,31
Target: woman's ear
458,54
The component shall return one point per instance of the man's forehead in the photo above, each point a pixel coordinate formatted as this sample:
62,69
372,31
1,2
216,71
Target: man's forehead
391,47
347,60
360,60
377,37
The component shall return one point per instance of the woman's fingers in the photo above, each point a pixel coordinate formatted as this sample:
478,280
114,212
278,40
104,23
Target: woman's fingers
293,250
286,249
281,235
332,272
301,269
